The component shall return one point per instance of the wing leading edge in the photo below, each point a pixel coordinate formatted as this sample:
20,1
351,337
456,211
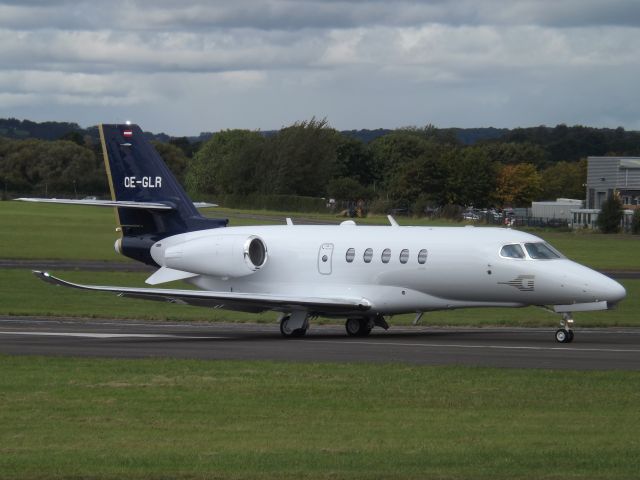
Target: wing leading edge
248,302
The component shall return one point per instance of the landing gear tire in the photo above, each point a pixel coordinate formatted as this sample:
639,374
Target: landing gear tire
288,332
564,336
358,327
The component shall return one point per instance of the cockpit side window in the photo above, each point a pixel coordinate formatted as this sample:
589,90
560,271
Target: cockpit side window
512,251
541,251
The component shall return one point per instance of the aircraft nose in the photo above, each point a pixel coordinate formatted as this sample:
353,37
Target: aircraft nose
611,291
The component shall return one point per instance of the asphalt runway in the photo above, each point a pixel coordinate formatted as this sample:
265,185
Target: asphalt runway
592,349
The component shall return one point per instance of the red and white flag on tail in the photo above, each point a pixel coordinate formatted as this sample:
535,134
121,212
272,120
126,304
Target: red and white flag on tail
128,133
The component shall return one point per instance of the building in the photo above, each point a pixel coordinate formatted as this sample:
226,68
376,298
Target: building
609,175
560,209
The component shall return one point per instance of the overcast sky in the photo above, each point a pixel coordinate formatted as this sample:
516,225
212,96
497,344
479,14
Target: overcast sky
188,66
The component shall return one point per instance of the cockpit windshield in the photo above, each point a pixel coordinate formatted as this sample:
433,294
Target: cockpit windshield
512,251
542,251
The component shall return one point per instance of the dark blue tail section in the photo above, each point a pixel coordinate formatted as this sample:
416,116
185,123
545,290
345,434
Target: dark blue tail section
138,174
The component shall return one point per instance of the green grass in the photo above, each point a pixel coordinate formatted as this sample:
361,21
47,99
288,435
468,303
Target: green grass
24,294
65,232
98,418
45,231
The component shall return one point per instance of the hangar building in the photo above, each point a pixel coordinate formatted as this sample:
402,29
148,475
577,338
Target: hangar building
606,175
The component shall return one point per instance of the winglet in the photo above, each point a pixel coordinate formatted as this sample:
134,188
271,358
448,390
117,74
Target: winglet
392,221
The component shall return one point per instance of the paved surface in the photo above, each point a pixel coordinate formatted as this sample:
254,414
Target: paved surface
90,265
593,349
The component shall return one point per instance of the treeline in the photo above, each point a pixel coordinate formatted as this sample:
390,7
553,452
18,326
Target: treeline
411,169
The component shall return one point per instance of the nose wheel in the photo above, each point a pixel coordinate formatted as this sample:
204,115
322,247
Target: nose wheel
565,334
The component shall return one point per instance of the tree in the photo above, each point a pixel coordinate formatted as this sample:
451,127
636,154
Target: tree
635,222
564,179
229,162
345,188
472,178
390,152
49,167
174,157
355,160
426,176
515,153
518,185
610,215
301,159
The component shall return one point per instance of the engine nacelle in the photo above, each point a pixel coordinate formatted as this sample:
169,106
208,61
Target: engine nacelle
219,256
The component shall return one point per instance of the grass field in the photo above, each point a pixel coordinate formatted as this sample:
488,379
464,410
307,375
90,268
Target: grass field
97,418
87,233
24,294
162,418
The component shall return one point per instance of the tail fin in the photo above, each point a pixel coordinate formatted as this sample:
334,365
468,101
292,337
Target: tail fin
137,173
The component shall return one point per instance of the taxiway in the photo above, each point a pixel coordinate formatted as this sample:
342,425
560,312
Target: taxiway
593,349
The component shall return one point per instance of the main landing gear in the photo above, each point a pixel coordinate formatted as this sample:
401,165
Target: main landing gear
362,326
565,334
294,325
358,327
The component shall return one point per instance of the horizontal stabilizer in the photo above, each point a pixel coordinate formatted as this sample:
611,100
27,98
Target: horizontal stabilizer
166,274
247,302
103,203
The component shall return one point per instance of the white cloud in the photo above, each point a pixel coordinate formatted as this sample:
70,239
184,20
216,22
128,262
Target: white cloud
361,63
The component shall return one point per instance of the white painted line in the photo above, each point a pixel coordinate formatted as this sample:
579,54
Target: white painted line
106,335
496,347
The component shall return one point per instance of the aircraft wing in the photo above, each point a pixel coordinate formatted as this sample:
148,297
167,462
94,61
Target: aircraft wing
247,302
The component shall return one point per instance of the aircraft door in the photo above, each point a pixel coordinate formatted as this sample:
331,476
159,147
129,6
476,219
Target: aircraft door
325,255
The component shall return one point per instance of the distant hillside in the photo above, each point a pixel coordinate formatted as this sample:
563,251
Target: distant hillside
561,142
21,129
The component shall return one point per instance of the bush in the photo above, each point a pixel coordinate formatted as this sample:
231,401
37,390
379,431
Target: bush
635,222
610,215
283,203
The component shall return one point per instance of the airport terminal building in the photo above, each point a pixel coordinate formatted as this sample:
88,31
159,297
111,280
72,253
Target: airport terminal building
607,176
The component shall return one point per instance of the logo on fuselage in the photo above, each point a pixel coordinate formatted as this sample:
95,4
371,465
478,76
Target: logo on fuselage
524,283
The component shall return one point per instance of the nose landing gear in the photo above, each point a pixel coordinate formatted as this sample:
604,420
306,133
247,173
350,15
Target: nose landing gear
565,334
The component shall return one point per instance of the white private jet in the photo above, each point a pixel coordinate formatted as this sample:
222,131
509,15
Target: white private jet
361,273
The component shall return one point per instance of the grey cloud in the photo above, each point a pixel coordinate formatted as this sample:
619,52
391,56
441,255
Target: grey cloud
197,65
311,14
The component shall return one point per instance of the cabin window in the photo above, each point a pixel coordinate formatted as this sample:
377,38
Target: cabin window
351,254
386,255
512,251
404,256
368,255
542,251
422,256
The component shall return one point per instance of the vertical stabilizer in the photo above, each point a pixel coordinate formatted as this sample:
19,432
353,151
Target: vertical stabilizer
137,173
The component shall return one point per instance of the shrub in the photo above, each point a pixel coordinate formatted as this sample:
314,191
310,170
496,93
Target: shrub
635,222
610,216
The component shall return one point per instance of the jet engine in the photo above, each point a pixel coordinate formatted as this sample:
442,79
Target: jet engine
219,256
